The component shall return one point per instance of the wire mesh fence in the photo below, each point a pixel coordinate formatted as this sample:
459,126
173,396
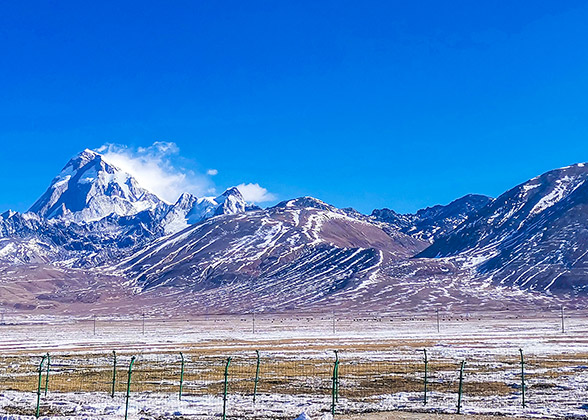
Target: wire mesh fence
541,380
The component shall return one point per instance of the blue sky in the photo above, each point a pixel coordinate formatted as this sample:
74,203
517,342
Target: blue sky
365,104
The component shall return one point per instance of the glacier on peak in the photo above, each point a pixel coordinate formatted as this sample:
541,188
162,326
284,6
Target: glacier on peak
189,209
89,189
93,210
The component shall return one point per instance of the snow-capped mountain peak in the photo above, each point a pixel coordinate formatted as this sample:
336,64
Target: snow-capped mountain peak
8,214
88,188
189,209
230,202
305,202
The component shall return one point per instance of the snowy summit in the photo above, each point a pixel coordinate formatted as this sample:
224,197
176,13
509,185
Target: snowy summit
89,188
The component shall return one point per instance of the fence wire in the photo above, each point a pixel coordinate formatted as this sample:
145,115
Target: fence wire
547,379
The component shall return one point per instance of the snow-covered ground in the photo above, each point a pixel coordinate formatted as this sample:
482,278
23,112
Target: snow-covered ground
381,365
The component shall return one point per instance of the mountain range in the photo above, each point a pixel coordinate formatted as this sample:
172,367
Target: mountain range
97,241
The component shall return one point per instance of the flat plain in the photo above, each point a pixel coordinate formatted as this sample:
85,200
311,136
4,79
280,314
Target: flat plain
381,366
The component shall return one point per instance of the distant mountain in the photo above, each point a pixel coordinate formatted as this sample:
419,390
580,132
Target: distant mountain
89,188
94,212
98,239
433,222
189,210
534,236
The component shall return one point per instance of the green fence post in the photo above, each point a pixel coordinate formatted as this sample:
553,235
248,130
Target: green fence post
226,388
181,375
426,365
113,374
337,377
256,377
523,377
47,375
335,389
129,387
460,387
39,386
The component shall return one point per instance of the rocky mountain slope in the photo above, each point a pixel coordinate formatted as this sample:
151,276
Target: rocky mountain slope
534,236
430,223
301,250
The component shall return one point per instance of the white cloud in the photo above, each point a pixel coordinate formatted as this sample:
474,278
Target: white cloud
154,169
254,193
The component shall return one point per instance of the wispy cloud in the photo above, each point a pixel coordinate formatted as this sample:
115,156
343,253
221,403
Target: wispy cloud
254,193
154,168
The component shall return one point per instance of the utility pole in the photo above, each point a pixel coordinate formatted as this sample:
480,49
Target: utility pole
334,323
253,322
438,326
563,328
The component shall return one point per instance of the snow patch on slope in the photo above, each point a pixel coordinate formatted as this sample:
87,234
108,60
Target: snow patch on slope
563,188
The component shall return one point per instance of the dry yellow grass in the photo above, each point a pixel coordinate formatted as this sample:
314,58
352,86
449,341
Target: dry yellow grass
204,374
